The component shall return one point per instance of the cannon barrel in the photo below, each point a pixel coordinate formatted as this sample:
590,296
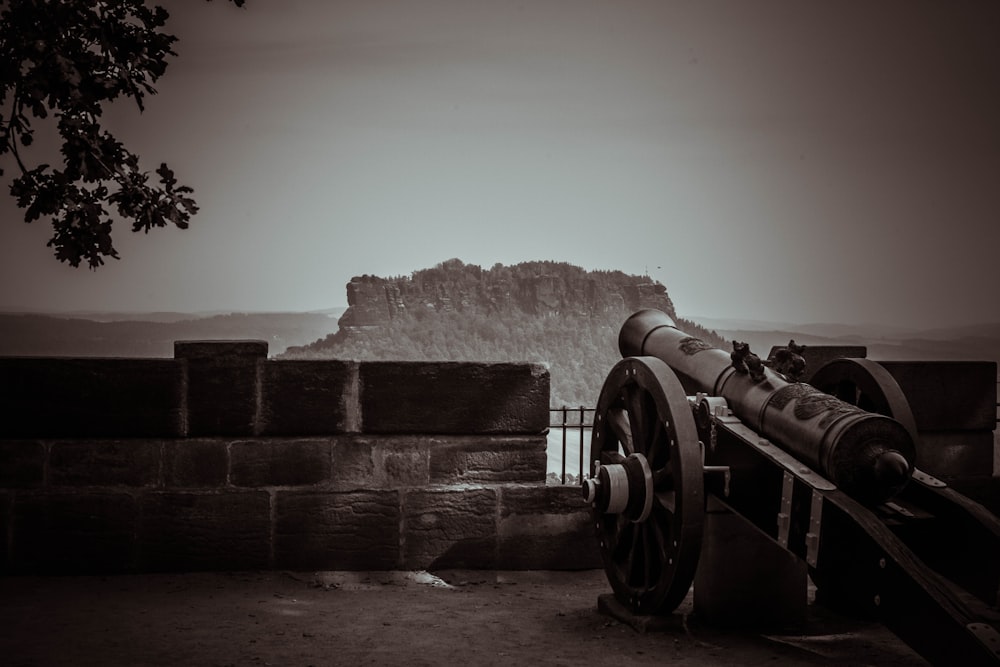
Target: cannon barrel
869,456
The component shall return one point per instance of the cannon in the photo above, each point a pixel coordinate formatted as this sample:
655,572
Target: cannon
825,470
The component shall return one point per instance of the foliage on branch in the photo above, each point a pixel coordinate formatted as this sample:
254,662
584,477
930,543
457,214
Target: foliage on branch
67,59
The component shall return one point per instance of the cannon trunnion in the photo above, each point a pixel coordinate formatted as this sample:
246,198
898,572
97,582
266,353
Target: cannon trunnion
679,423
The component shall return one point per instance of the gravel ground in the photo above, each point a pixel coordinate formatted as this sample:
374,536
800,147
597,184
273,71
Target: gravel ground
397,618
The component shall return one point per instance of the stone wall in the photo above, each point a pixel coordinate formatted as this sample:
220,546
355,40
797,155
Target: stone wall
221,459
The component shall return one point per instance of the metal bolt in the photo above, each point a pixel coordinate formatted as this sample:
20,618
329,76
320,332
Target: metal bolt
763,442
878,600
881,563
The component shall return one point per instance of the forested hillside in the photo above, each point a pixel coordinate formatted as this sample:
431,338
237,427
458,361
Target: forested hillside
539,311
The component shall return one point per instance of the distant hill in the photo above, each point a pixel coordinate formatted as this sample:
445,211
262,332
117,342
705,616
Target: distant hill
548,312
153,335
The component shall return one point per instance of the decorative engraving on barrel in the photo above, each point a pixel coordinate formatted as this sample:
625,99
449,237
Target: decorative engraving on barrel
831,407
692,345
789,393
746,362
810,402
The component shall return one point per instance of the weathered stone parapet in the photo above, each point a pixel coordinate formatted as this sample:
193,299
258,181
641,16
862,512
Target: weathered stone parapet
454,397
303,397
230,388
222,459
80,398
99,462
98,530
65,532
357,530
334,463
222,383
22,464
450,528
548,528
203,531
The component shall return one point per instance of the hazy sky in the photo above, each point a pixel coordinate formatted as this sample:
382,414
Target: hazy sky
779,160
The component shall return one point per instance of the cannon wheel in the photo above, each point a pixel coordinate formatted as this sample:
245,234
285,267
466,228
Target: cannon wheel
866,384
643,410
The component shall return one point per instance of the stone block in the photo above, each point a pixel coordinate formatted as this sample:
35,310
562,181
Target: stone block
450,528
353,464
204,531
337,531
949,395
488,459
956,454
401,462
105,463
303,397
453,397
22,464
280,462
63,533
546,528
222,385
196,463
42,397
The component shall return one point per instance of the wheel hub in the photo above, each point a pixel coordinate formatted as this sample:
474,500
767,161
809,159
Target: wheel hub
622,488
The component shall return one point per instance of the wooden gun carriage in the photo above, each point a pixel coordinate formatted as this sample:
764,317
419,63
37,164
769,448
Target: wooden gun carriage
679,423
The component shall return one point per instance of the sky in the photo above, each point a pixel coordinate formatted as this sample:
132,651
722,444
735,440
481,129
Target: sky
780,160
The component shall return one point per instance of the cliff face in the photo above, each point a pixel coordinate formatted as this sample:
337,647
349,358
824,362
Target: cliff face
535,288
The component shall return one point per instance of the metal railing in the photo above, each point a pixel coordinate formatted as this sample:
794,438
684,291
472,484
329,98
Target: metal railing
565,419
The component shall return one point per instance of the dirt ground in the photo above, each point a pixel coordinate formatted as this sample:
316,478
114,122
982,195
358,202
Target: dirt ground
451,618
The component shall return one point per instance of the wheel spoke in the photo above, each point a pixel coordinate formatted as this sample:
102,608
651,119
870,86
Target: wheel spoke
608,457
661,541
639,411
631,552
619,422
656,442
647,561
624,539
663,479
666,500
620,525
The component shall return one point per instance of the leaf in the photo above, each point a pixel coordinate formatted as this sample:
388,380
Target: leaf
166,176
